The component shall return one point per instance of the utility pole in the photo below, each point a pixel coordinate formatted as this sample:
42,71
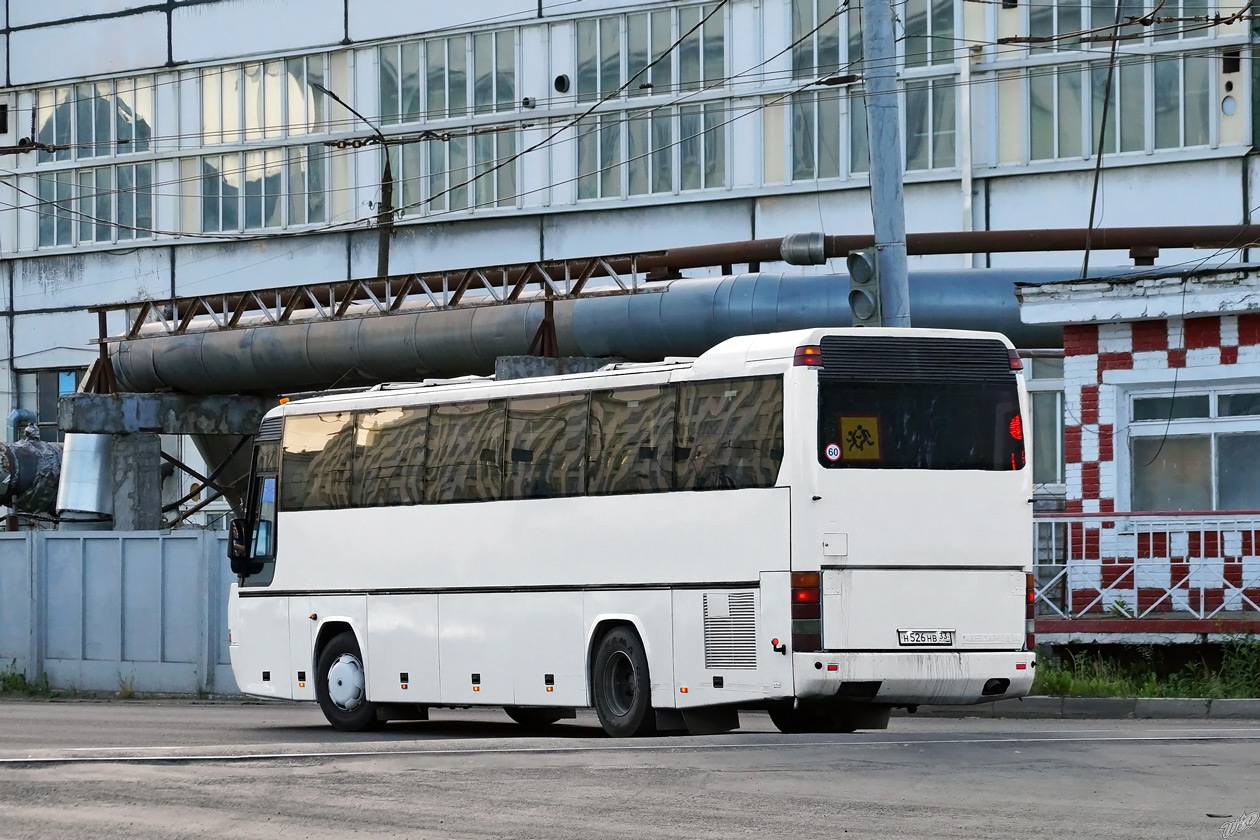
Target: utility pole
384,210
883,122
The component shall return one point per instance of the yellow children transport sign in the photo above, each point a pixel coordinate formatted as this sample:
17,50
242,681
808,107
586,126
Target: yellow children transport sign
859,438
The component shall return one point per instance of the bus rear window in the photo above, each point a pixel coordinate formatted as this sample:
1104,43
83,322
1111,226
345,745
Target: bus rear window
920,425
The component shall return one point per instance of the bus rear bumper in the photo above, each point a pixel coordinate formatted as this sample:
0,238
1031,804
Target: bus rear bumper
894,677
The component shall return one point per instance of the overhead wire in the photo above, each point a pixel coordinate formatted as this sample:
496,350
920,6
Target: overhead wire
647,107
961,50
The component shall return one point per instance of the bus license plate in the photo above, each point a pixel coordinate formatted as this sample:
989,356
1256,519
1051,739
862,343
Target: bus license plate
925,637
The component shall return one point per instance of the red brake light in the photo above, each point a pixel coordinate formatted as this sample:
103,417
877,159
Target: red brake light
806,610
808,356
1017,428
1013,355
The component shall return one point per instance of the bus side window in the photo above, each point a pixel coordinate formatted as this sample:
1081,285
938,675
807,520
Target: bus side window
464,452
316,463
546,446
389,457
730,434
630,441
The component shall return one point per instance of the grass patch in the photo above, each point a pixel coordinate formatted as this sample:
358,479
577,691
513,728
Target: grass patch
1090,675
13,681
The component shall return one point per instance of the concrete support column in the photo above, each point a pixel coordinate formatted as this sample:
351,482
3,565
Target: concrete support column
137,475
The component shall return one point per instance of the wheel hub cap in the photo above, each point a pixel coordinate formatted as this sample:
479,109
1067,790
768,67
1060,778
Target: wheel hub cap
346,682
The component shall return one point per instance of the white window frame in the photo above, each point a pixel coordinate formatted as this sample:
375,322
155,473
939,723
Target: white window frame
1209,426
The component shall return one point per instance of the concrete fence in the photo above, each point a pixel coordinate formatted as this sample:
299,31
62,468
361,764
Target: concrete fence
110,611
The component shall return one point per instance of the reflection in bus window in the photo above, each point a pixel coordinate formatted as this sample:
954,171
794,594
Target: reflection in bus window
464,452
546,447
730,434
264,542
316,463
389,457
630,445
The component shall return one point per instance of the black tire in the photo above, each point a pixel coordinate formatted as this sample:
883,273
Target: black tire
341,687
532,718
621,686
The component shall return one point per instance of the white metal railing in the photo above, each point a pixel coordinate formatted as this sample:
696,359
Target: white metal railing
1143,565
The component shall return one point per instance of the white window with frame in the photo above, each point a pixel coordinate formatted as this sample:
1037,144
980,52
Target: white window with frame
674,147
451,77
1045,395
464,172
104,204
94,119
261,189
1162,90
263,100
1195,449
821,49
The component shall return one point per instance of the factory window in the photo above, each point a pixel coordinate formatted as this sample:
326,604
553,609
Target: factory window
664,150
104,204
39,391
929,37
263,100
465,172
1075,25
930,124
652,150
95,119
253,190
827,43
432,78
1170,93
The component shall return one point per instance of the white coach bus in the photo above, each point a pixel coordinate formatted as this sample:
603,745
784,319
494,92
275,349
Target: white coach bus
824,523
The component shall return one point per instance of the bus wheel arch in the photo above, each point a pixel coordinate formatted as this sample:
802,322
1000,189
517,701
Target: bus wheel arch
620,681
341,683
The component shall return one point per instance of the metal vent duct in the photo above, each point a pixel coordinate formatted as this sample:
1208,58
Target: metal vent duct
685,318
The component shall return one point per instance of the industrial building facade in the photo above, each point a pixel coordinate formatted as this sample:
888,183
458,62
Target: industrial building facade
178,147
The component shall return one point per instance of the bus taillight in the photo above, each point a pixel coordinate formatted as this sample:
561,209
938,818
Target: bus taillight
806,611
808,356
1016,362
1030,612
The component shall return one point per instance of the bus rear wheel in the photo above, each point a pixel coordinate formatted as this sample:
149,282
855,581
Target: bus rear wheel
620,683
532,718
341,686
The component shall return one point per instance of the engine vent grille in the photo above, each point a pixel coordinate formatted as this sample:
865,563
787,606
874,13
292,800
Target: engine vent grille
271,428
730,630
902,359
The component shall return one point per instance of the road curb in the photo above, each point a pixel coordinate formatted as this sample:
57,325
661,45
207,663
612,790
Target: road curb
1102,708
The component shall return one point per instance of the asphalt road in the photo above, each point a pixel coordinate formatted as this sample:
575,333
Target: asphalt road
159,769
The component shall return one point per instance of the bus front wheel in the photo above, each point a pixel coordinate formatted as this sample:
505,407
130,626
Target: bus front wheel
620,682
341,686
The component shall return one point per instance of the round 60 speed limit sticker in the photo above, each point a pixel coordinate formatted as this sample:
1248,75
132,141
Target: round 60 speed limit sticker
833,452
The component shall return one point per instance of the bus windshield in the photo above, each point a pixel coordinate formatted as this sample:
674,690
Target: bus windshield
920,425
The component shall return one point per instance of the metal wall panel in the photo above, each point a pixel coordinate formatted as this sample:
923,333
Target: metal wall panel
15,602
93,47
110,610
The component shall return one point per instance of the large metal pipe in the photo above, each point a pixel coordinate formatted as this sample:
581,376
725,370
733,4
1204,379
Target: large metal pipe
683,318
771,250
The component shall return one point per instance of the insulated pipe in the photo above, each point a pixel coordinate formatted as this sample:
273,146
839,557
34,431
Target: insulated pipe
681,318
816,249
